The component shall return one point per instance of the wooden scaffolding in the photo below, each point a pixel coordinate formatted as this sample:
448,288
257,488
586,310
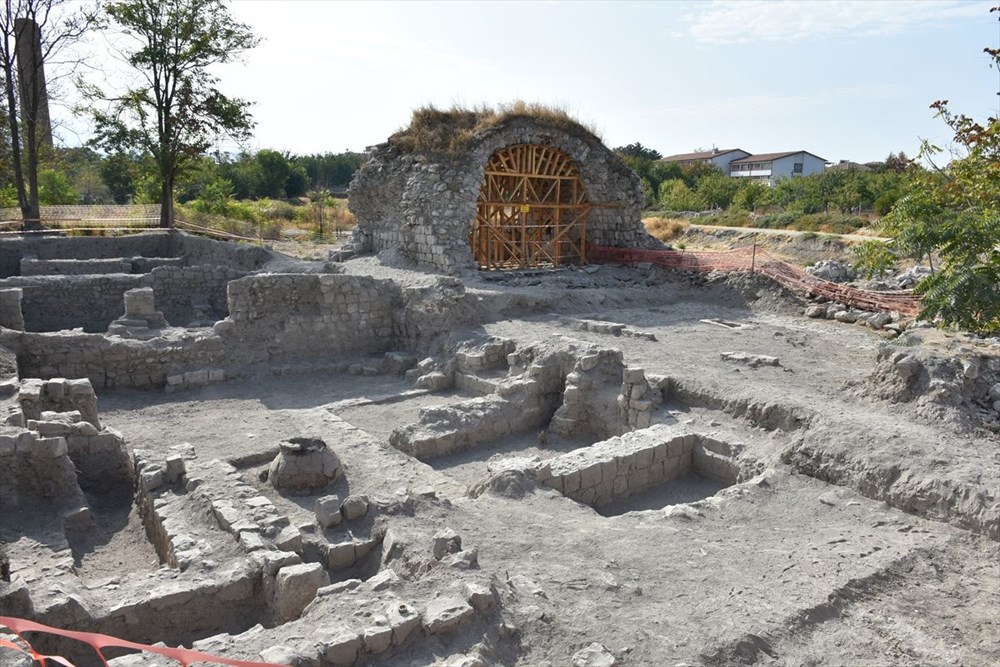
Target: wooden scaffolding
532,210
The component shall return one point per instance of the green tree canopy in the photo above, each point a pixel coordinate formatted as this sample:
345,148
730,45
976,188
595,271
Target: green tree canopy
176,110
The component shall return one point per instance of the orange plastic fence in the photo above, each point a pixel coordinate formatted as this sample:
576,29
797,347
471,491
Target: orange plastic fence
98,642
758,261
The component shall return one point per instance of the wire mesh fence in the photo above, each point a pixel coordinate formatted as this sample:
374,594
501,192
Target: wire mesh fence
753,260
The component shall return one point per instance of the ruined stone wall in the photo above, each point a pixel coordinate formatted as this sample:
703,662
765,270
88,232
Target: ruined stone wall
156,244
422,206
273,316
160,244
320,315
54,303
200,250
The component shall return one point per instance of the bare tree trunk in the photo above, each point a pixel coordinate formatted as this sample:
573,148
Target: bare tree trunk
33,211
167,202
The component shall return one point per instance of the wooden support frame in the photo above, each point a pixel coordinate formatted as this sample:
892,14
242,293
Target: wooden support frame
532,210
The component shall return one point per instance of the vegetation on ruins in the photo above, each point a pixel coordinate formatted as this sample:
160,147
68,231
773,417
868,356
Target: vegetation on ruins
437,131
176,110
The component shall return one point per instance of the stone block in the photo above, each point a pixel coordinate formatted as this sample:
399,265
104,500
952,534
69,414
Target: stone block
340,646
7,445
340,556
354,507
479,595
446,542
175,470
251,541
49,447
327,510
403,619
78,519
85,429
590,476
151,480
289,539
295,587
633,376
377,639
444,614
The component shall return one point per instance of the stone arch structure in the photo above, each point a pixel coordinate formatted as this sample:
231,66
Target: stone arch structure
416,198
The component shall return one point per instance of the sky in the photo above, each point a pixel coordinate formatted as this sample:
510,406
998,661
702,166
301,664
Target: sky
842,80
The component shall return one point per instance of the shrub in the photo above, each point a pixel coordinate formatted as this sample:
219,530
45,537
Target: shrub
664,229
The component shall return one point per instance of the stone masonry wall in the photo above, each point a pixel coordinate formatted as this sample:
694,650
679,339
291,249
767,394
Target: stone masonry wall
423,206
159,244
156,244
53,303
273,317
320,315
623,466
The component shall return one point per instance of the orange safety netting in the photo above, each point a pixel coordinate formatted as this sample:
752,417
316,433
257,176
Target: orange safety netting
98,642
758,261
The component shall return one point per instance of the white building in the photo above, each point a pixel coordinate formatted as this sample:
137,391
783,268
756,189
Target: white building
770,167
718,157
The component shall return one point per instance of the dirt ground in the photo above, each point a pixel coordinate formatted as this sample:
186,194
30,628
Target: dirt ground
781,569
839,549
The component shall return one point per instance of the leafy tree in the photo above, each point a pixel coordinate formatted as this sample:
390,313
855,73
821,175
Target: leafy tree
176,111
639,151
953,212
274,170
329,169
118,171
675,195
753,195
694,172
54,188
717,190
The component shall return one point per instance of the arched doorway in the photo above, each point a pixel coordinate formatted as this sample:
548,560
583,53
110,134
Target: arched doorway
532,210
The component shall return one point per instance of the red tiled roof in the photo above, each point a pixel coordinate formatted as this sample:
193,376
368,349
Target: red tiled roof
703,155
768,157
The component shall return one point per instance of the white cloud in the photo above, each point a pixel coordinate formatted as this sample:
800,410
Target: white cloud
725,21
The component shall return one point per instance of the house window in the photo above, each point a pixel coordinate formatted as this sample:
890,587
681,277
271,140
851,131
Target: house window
797,168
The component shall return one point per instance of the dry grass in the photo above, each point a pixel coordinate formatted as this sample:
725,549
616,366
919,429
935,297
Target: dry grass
665,229
433,130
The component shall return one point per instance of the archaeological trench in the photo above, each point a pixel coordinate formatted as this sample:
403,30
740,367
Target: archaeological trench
460,442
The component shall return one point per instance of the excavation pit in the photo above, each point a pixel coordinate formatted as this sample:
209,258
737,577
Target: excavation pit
614,470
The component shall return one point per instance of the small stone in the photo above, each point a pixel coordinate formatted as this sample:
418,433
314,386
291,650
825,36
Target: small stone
595,655
813,311
463,560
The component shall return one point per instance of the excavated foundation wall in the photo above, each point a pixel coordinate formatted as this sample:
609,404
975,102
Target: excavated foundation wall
13,250
53,303
196,249
422,205
272,317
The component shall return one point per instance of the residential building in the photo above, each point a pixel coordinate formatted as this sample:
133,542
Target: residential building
718,157
770,167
